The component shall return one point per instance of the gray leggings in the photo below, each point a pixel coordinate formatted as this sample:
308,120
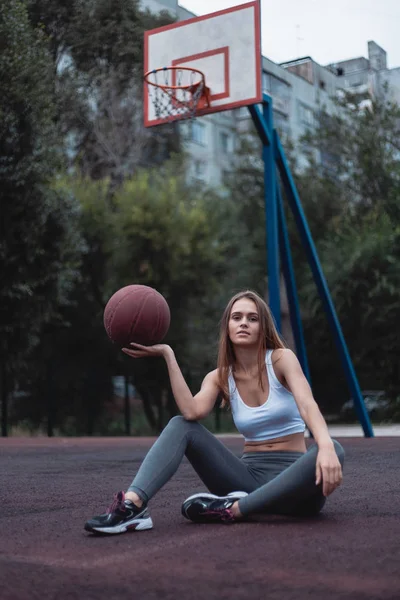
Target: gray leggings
276,482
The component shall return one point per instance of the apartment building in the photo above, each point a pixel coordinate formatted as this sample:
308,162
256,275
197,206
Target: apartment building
368,76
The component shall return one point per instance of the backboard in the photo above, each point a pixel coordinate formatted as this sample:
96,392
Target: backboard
225,46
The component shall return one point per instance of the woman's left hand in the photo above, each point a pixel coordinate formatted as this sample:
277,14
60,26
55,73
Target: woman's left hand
328,470
139,351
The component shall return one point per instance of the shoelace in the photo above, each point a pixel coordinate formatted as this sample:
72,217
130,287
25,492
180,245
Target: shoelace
118,502
225,514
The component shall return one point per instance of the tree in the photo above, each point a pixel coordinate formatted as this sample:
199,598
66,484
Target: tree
362,267
54,17
359,146
157,230
98,52
245,184
358,179
38,246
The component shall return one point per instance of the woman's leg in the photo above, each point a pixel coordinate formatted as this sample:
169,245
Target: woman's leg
219,469
291,492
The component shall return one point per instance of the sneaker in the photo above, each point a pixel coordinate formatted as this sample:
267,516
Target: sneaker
122,516
208,508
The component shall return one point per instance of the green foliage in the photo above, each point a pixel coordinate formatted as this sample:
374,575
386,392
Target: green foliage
363,270
71,88
156,230
27,133
168,232
352,203
97,47
247,215
96,34
38,244
109,34
360,152
54,17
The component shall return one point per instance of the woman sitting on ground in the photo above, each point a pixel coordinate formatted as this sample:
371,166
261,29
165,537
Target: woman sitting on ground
271,403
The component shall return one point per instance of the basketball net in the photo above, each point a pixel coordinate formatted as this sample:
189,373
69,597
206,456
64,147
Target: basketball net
177,92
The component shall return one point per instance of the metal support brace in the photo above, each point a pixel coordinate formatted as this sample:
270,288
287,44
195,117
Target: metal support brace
291,291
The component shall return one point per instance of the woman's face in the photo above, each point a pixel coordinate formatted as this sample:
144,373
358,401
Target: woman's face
244,323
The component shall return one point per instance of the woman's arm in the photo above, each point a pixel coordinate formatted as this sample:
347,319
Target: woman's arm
328,469
288,366
191,407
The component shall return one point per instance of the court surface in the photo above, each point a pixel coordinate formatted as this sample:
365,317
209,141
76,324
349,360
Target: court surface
49,487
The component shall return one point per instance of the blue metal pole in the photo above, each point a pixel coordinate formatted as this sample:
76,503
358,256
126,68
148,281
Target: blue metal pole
260,125
291,291
271,211
323,290
264,125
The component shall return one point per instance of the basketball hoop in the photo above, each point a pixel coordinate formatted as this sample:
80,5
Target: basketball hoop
177,92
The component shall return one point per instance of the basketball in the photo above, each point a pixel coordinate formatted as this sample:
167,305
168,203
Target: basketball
136,313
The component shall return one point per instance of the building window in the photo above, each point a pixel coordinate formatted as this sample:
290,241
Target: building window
281,123
198,133
306,115
280,93
279,88
225,142
199,168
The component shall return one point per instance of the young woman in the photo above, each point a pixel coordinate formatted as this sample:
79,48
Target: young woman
271,401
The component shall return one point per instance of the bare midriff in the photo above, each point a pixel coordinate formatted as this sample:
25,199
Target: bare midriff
288,443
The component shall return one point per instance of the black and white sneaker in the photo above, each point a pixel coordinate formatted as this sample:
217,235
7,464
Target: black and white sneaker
122,516
208,508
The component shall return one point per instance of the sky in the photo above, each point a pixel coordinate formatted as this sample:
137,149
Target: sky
327,30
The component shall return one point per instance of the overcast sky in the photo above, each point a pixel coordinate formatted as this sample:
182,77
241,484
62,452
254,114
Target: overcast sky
326,30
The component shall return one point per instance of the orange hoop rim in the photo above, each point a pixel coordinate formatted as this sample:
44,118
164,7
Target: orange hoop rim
175,87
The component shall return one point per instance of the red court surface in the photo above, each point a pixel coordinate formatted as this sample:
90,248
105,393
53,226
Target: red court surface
50,487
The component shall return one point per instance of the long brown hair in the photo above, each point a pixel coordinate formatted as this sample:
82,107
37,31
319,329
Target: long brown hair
269,339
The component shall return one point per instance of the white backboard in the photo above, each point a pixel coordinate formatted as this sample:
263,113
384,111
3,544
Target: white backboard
225,46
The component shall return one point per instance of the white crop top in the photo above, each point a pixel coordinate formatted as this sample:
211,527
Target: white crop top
278,416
